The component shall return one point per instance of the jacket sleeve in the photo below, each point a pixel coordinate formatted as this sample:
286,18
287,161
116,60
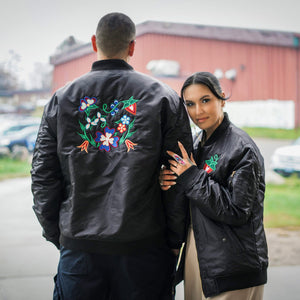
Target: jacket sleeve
175,202
231,203
47,183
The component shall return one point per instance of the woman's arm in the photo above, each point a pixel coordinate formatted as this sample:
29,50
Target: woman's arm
231,203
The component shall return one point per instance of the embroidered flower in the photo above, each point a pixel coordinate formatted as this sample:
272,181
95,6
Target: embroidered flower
84,146
95,122
114,107
130,145
122,127
89,121
107,139
86,102
125,120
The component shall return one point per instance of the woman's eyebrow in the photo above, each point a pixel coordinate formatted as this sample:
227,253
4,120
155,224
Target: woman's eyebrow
205,96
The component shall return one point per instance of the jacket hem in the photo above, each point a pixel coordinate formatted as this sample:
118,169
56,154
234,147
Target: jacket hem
238,282
113,247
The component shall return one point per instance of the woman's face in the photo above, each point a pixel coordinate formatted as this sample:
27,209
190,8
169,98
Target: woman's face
204,108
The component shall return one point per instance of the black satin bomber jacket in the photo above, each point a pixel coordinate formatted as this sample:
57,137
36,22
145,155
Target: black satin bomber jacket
100,146
226,194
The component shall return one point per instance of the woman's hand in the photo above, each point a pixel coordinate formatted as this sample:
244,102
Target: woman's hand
180,164
166,178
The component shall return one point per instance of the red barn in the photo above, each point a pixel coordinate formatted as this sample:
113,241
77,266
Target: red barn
260,69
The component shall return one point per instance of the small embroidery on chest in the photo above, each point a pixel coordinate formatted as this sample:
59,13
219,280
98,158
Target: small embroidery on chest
107,128
210,164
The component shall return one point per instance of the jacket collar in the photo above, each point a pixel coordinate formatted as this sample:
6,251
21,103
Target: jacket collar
111,64
219,131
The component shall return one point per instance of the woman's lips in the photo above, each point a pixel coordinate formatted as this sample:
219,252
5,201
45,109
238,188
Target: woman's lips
201,120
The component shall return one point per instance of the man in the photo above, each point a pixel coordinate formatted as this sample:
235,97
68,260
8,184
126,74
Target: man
95,171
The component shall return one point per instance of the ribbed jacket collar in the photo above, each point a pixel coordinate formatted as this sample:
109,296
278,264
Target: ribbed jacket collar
219,131
111,64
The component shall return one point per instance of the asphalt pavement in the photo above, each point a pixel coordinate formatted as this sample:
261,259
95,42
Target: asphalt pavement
28,263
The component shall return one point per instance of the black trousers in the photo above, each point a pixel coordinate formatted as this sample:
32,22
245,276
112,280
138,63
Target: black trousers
89,276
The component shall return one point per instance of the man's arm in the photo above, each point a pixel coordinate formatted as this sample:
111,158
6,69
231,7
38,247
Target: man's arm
47,181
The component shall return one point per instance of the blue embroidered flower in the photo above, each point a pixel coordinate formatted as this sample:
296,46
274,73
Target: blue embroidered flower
86,102
125,120
107,139
114,107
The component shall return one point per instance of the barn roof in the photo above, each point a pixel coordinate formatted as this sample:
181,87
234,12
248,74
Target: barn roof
241,35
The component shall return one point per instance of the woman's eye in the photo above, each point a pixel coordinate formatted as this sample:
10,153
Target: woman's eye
189,104
205,100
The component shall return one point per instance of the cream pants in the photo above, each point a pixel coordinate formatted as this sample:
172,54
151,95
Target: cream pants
192,280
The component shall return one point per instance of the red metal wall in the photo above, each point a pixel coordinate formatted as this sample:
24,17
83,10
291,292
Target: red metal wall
72,69
263,72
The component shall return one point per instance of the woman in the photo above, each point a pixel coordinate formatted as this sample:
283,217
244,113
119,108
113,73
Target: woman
226,250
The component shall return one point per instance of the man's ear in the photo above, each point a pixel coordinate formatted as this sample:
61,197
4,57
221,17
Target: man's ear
131,48
93,39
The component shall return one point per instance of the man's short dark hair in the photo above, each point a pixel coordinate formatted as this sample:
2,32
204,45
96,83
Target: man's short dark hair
114,33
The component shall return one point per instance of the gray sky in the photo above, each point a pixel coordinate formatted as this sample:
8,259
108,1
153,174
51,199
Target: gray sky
34,28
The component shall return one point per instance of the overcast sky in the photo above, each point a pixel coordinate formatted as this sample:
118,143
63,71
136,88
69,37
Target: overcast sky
34,28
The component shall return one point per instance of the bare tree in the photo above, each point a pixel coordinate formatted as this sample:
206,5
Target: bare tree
8,72
41,77
8,82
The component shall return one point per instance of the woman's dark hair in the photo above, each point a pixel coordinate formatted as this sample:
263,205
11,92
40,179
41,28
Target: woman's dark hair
207,79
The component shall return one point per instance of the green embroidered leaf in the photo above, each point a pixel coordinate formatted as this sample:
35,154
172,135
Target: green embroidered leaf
122,139
129,134
92,141
128,102
82,127
130,125
82,135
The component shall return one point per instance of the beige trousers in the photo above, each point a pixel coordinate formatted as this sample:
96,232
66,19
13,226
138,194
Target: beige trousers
192,280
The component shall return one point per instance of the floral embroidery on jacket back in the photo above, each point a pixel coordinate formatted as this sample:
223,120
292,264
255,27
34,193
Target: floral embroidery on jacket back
106,128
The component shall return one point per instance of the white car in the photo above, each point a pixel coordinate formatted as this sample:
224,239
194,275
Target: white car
286,160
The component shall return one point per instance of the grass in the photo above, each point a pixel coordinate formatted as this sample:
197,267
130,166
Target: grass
289,134
282,204
12,168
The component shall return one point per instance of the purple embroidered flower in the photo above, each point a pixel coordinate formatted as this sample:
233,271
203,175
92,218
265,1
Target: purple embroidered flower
125,120
86,102
114,107
107,139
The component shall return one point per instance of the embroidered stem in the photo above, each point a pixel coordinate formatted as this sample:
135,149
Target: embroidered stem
128,134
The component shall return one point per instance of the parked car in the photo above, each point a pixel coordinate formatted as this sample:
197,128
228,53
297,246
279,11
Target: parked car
286,160
11,124
19,144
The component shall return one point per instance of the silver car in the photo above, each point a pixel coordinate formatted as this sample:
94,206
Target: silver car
286,160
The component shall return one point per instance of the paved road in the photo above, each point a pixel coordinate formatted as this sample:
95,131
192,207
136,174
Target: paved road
28,263
267,147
